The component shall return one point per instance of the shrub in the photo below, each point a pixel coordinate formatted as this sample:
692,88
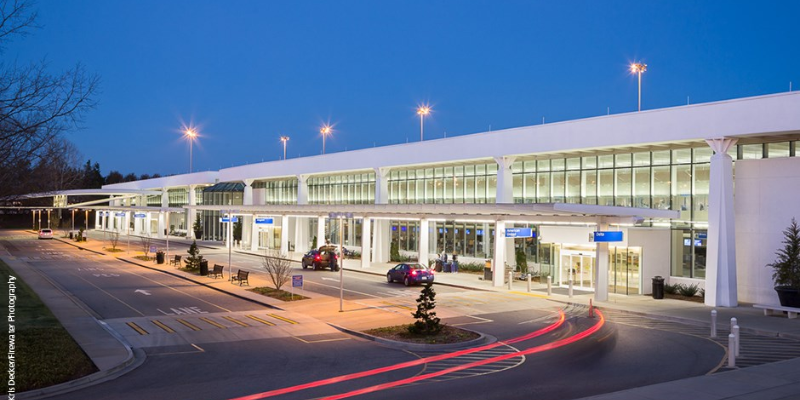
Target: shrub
427,322
672,289
193,261
786,268
394,252
688,290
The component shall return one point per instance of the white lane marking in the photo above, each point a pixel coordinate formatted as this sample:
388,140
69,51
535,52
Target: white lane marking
144,292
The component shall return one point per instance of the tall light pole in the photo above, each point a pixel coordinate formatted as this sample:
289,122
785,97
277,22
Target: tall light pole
639,68
191,134
422,111
284,139
73,220
325,131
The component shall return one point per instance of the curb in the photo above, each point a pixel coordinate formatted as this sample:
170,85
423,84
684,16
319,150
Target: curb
434,282
483,339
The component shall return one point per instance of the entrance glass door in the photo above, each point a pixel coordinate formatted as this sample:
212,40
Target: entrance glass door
578,265
624,269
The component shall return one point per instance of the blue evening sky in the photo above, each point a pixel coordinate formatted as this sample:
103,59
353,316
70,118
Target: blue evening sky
247,72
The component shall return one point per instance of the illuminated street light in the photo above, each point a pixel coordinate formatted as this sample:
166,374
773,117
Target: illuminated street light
325,131
422,111
639,68
191,134
284,139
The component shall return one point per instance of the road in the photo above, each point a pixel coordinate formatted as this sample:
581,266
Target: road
224,347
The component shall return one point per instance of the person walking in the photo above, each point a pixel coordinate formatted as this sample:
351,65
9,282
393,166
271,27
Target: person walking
454,268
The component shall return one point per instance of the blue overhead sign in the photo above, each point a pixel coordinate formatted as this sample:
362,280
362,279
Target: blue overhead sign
267,221
608,236
139,215
520,233
120,214
227,219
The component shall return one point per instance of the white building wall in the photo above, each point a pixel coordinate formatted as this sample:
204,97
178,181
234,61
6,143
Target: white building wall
767,196
655,244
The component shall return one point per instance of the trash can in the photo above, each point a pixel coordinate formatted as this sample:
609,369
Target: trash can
70,235
203,268
159,257
447,267
658,288
438,267
487,270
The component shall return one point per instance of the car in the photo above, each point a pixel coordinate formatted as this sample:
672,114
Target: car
410,274
321,258
45,233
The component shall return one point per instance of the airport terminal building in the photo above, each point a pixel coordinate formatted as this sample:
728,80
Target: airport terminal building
700,194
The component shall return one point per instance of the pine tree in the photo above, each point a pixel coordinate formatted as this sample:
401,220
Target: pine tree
193,261
787,265
427,322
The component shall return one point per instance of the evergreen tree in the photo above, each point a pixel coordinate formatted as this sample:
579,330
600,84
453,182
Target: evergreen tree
193,261
427,322
786,268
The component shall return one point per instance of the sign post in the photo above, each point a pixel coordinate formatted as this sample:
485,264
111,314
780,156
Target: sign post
297,281
341,217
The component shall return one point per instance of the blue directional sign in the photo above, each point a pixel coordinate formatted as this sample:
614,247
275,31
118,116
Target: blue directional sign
520,233
264,221
120,214
608,236
227,219
139,215
297,280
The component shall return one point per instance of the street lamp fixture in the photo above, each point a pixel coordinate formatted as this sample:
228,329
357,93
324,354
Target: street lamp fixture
422,111
284,139
326,130
191,134
639,68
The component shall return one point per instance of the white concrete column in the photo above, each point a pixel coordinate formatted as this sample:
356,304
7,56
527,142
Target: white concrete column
300,234
248,224
505,180
382,238
423,242
126,223
191,215
601,265
146,226
162,224
96,219
302,189
284,235
320,231
253,234
499,259
366,245
721,247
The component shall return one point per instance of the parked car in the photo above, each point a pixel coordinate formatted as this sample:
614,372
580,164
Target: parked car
324,257
45,233
410,274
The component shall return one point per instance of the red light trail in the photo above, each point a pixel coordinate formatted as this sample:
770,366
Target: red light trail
420,361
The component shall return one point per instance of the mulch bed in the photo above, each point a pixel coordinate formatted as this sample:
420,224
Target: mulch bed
400,333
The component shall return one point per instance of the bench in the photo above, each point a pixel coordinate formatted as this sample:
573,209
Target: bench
791,312
175,261
241,276
217,272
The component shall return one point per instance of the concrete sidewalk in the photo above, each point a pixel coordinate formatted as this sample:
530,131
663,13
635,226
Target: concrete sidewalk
779,380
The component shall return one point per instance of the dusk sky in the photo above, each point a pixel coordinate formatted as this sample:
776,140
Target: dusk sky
247,72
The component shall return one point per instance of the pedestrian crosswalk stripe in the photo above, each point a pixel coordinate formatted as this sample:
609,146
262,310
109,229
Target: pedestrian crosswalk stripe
283,319
137,328
211,322
236,321
188,324
263,321
162,326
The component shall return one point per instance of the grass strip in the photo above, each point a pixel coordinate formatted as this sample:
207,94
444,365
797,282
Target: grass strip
277,294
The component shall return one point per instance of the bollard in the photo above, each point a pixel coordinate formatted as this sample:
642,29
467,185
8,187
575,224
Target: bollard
713,323
591,309
529,283
510,279
570,288
731,350
738,339
549,285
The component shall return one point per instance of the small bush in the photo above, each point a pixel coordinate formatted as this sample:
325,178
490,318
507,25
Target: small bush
688,290
672,289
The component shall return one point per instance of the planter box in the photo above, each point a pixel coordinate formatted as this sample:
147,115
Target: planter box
789,296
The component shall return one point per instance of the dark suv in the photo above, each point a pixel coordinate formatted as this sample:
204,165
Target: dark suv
324,257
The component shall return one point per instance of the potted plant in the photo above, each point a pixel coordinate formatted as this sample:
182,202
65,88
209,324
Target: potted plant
786,268
197,228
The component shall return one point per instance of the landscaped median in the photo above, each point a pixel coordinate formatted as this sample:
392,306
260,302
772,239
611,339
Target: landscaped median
39,351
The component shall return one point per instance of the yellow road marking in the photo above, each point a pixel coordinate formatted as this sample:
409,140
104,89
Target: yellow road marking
188,324
263,321
396,305
283,319
320,341
162,326
235,321
137,328
214,323
543,296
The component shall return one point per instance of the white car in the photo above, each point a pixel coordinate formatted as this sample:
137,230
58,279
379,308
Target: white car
45,233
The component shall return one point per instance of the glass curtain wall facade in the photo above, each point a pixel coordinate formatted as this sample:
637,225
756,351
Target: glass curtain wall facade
341,189
282,191
219,194
475,183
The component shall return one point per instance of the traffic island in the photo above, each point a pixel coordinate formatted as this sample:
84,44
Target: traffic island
277,294
447,335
